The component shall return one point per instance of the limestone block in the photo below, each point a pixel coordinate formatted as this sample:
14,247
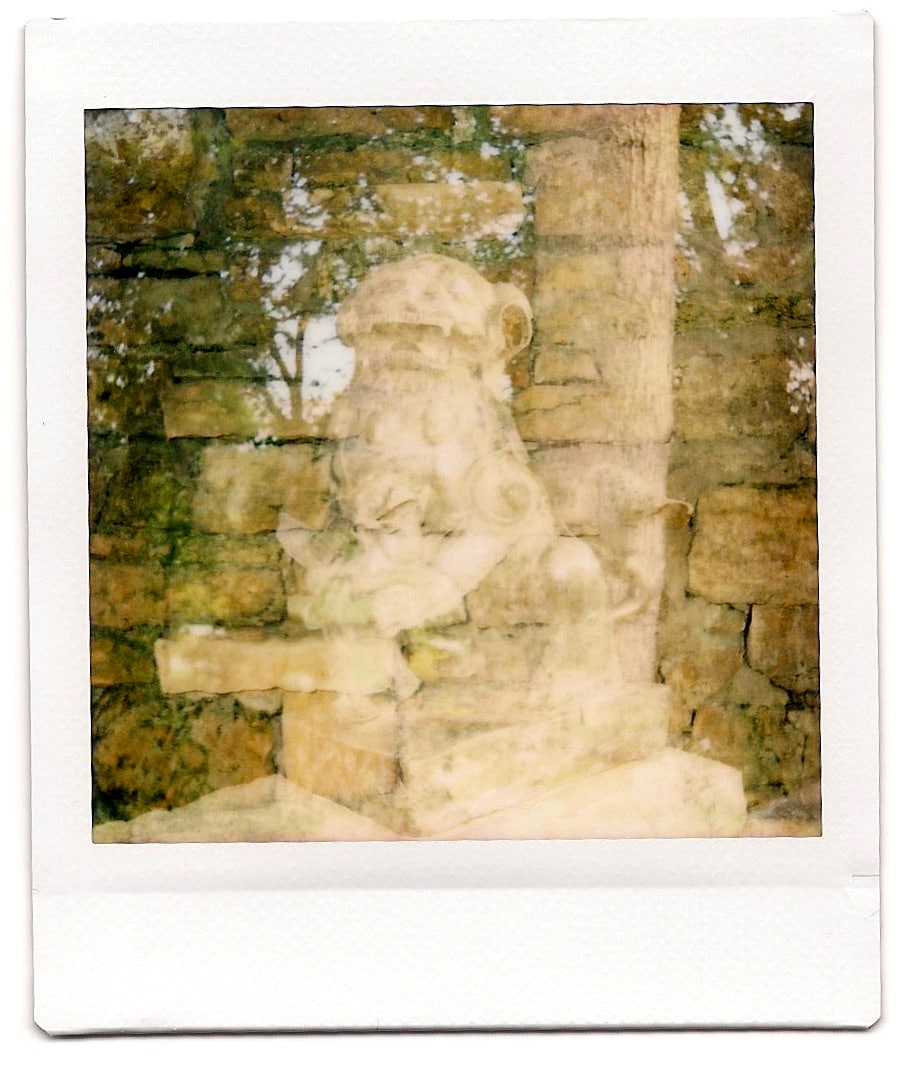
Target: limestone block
202,312
269,809
299,123
784,644
593,488
785,123
755,546
147,171
216,551
101,259
776,749
589,413
239,742
275,411
695,467
669,794
340,746
350,663
641,124
731,307
118,662
506,655
230,596
722,398
701,649
372,164
153,752
620,293
123,595
242,490
489,751
542,584
623,193
478,208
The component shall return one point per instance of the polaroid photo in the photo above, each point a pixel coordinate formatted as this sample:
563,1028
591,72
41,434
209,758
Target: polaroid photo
452,525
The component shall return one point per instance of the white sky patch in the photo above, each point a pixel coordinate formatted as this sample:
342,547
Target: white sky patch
685,211
801,386
328,361
288,270
729,130
724,208
791,112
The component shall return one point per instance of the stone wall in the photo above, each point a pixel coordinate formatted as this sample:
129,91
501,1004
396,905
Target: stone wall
219,245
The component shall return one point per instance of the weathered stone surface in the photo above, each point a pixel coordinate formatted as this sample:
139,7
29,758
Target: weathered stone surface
353,663
587,413
118,662
700,649
199,311
341,747
465,751
147,171
755,546
589,299
370,165
269,809
698,466
784,644
479,208
99,259
123,391
228,596
272,412
299,123
621,193
731,307
548,585
777,747
149,487
123,595
640,124
720,398
468,653
213,551
784,123
242,490
147,752
595,488
670,794
239,742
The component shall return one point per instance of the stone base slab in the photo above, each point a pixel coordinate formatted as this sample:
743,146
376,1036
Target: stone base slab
670,794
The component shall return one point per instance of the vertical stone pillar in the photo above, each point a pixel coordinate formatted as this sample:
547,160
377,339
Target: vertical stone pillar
606,208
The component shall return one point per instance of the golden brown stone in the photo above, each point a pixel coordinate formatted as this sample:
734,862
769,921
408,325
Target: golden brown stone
620,123
116,662
125,595
237,409
354,663
755,546
587,413
242,490
297,123
622,193
783,643
341,747
478,208
229,596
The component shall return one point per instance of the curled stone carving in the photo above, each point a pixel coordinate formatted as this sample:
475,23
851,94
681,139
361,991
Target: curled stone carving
461,660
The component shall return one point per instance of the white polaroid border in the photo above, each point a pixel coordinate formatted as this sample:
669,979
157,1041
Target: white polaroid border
752,932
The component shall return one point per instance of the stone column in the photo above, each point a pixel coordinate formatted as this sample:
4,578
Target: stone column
601,398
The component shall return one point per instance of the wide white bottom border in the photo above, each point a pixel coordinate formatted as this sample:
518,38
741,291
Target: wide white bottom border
413,959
